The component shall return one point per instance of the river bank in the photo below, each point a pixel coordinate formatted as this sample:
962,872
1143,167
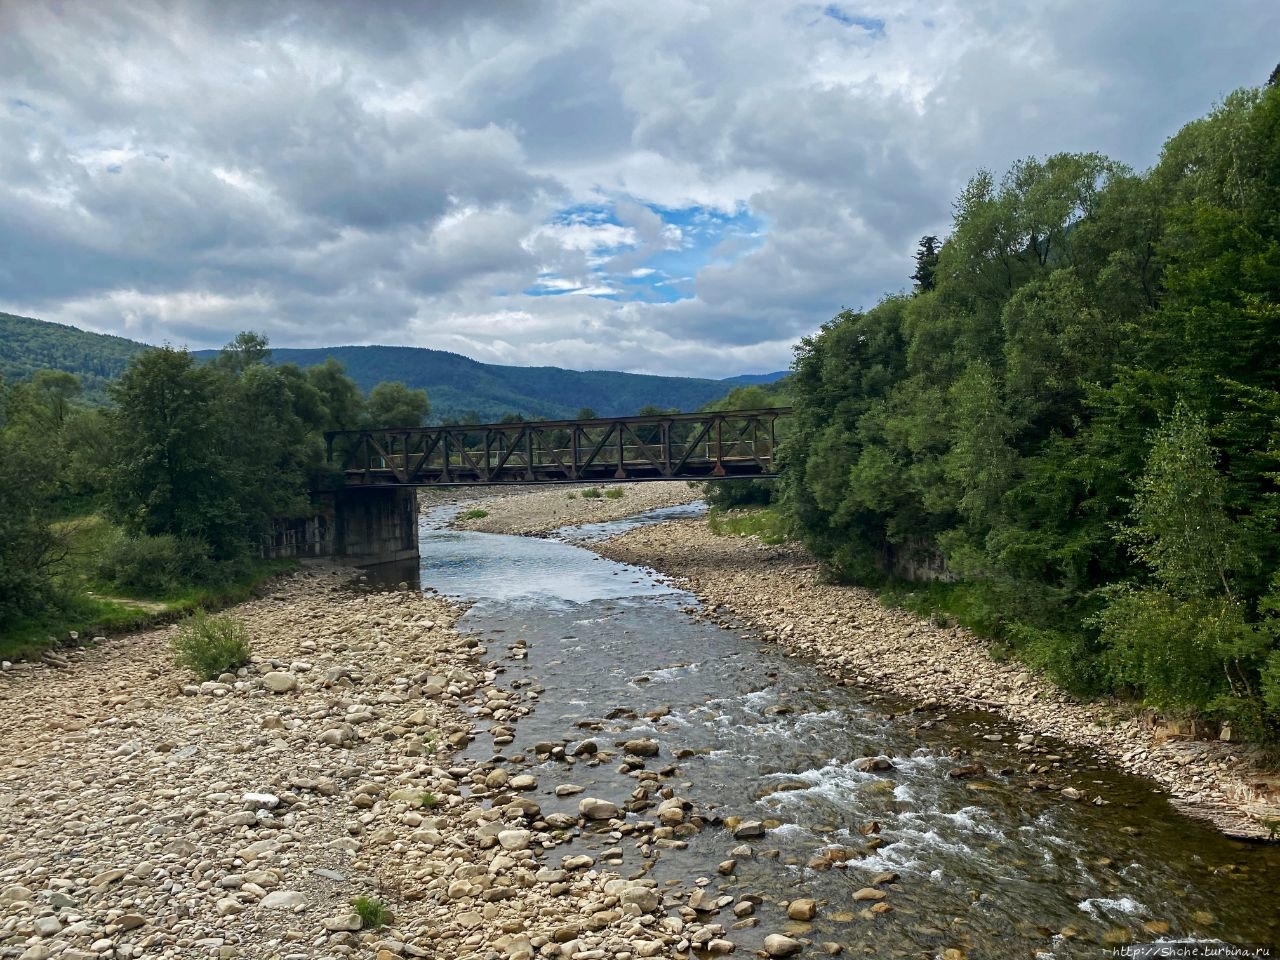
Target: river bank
779,591
143,813
531,511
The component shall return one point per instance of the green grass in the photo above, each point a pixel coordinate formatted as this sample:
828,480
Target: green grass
87,606
767,523
592,493
429,800
615,493
373,913
948,604
476,514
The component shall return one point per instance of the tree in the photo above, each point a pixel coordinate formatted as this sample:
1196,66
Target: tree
247,349
28,544
926,264
342,403
1181,636
392,404
169,473
210,454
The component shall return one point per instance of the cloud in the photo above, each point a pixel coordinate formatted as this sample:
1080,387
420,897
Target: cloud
661,187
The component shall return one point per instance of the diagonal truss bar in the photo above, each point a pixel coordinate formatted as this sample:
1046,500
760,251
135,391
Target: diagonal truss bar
695,446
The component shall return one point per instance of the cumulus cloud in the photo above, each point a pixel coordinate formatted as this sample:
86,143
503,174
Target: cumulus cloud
660,187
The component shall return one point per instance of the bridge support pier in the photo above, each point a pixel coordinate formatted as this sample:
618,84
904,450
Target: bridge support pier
362,526
378,525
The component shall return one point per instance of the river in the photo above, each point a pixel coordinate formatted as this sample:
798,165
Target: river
985,865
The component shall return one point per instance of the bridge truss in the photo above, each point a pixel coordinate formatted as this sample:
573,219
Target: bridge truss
682,446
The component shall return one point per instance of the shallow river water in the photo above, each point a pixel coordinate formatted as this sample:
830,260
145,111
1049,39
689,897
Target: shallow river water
985,865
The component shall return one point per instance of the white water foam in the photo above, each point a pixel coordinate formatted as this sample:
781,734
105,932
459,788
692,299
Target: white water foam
1103,907
671,674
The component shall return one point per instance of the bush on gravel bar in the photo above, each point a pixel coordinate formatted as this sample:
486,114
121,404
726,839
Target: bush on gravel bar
210,646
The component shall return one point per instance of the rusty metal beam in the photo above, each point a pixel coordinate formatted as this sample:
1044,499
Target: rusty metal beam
681,446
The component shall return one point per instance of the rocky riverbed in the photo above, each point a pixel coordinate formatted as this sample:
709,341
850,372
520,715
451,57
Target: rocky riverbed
145,814
531,511
781,593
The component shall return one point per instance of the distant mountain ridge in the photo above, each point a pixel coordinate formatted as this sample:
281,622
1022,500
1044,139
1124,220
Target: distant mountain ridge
755,379
456,385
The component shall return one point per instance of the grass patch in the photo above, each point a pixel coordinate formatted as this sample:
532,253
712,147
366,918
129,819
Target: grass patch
210,646
373,912
428,800
87,605
476,514
615,493
948,604
592,493
766,523
571,495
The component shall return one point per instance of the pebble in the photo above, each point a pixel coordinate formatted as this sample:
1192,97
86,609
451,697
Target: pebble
778,945
278,681
802,909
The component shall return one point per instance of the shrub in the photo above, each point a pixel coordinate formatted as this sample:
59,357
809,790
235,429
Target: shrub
733,494
373,913
476,514
209,646
152,565
615,493
592,493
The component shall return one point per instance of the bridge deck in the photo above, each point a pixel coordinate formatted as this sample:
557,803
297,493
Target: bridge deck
688,446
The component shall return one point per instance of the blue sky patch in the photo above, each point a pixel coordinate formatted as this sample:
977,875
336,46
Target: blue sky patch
872,25
644,252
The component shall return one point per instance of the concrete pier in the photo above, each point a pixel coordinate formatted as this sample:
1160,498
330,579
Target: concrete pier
360,526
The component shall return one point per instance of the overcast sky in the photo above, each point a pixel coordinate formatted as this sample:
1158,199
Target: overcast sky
647,185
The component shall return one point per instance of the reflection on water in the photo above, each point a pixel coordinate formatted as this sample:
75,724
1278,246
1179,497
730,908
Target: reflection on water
985,865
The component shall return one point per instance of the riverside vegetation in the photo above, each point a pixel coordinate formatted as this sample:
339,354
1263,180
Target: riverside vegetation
1072,421
110,516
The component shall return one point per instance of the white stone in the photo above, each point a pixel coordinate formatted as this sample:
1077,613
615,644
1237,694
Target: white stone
283,900
514,839
277,681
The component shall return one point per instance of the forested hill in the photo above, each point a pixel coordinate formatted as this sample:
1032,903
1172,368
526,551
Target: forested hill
456,385
28,345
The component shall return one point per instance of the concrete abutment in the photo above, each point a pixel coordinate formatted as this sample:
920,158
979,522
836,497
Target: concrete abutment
363,526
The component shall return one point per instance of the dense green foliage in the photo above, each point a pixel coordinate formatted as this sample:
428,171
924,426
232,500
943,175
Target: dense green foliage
190,462
729,494
1075,415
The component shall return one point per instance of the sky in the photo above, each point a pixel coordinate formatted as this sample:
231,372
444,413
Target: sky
669,186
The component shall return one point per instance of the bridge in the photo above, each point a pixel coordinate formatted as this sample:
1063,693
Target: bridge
679,446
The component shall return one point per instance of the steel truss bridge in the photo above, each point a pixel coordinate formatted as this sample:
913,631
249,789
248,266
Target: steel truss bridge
681,446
